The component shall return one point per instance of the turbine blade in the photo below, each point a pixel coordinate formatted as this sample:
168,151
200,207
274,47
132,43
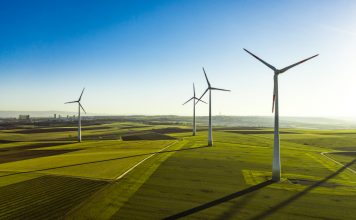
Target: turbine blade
264,62
293,65
80,97
188,101
206,77
82,107
202,95
220,89
70,102
193,90
200,101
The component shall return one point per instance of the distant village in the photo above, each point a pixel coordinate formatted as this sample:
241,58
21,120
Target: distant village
54,118
26,118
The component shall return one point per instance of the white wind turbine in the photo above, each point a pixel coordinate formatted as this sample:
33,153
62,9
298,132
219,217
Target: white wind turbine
194,104
79,118
210,88
276,165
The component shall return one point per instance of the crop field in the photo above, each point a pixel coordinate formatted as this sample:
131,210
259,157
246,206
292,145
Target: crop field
45,197
130,170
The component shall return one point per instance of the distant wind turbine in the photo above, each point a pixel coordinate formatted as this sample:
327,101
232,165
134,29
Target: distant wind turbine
210,134
79,118
194,104
276,165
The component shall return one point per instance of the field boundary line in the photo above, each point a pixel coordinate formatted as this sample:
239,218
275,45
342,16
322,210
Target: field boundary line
337,162
136,165
324,162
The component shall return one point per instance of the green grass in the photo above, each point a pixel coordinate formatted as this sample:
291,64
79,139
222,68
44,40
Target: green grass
194,178
226,181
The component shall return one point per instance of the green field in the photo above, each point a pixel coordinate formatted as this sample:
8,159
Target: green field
45,174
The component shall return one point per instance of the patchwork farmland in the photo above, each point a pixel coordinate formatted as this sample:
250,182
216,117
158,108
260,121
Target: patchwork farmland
125,170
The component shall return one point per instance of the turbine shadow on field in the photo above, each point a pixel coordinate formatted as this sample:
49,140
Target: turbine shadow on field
236,207
220,200
300,194
100,161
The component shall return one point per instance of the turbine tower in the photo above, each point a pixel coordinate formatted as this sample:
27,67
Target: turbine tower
276,165
194,104
210,88
79,118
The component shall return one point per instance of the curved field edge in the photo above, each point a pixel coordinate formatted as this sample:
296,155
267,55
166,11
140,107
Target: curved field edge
106,202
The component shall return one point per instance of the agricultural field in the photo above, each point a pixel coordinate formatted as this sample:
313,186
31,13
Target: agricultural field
133,170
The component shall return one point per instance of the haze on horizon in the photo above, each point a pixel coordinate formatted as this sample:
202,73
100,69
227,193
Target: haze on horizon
141,57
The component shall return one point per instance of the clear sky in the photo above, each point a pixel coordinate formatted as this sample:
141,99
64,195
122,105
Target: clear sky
141,57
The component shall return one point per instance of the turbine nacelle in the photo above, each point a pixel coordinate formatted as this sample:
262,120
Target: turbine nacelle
210,87
194,98
78,101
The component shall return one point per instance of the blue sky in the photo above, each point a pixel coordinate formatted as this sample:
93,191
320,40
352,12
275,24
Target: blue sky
141,57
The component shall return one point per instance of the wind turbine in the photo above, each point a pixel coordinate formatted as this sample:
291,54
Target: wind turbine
194,104
210,88
276,165
79,118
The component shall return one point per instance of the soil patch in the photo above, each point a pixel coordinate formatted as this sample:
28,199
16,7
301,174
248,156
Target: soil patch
102,137
12,156
171,130
33,146
6,141
346,148
133,127
238,128
48,130
146,136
